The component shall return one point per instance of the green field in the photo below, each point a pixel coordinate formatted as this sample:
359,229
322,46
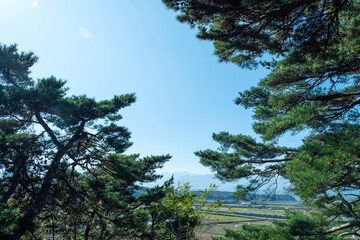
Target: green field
217,224
207,231
224,218
253,210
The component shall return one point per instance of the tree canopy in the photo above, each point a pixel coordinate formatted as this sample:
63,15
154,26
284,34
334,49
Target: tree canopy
312,51
63,171
311,48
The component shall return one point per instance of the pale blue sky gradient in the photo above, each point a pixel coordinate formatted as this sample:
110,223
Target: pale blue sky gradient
112,47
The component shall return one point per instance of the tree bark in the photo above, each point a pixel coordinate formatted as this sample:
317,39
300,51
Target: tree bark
27,220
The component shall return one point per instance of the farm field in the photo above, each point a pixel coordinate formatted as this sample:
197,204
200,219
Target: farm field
254,210
215,217
233,216
206,231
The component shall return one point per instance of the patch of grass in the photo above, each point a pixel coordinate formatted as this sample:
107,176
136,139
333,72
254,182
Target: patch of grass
253,210
213,230
224,218
207,230
270,211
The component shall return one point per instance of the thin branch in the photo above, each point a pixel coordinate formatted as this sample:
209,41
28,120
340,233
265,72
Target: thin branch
261,161
335,229
347,204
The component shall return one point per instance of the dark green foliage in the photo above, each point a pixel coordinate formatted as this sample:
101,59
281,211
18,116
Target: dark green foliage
255,232
312,50
62,168
315,44
243,31
241,156
294,228
102,202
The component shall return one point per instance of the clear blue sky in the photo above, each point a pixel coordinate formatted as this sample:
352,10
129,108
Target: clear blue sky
112,47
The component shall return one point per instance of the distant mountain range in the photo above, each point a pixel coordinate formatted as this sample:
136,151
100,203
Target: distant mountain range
203,181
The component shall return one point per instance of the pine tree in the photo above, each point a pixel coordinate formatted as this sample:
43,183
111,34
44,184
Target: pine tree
62,162
312,50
